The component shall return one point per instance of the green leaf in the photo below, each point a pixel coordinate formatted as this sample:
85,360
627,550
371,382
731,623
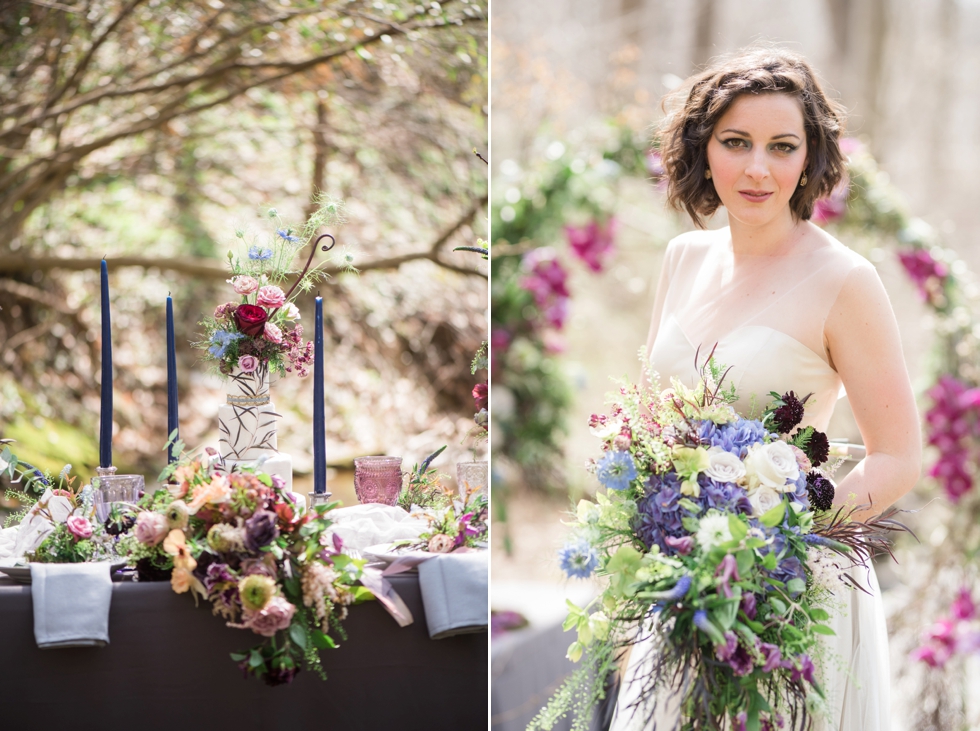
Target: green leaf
264,479
297,633
690,524
777,604
754,542
774,516
796,586
745,560
737,528
239,656
362,594
724,616
292,587
689,505
822,629
255,659
819,615
769,561
322,640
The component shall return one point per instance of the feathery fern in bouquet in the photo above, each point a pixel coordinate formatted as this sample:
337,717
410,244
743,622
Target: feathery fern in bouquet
717,544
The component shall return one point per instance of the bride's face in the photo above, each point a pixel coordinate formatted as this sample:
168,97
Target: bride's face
757,153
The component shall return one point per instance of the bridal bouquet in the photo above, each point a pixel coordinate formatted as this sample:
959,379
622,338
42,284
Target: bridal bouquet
716,540
259,330
238,540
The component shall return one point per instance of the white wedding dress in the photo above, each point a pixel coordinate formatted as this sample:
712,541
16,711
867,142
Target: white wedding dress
767,316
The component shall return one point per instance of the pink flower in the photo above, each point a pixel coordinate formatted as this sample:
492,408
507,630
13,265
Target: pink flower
225,310
963,606
248,363
244,284
274,616
79,527
270,296
151,528
272,333
440,543
591,243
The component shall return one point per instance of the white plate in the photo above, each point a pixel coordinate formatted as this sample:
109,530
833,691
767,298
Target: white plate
384,553
22,574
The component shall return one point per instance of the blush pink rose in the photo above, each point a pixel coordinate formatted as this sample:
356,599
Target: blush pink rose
248,363
244,284
270,296
274,616
151,528
272,333
440,543
79,527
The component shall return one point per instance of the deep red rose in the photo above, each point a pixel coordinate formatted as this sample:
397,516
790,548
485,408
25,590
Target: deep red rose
480,394
251,319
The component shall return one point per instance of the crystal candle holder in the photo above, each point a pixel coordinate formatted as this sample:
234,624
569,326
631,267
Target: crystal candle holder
109,488
474,476
378,479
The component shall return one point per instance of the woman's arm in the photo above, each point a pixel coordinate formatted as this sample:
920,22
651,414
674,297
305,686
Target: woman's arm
865,347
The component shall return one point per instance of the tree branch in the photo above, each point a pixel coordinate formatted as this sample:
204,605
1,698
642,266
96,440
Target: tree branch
217,270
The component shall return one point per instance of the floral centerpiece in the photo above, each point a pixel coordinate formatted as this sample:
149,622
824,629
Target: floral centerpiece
717,543
460,523
259,330
57,515
237,540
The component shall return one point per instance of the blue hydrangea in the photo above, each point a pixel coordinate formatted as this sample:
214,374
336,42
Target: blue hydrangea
578,559
286,236
616,470
738,436
259,254
220,342
723,496
659,512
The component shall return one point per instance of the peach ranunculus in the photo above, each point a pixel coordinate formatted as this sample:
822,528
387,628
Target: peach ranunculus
176,545
180,580
216,491
183,477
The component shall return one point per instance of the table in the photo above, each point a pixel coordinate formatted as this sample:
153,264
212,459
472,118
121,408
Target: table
167,667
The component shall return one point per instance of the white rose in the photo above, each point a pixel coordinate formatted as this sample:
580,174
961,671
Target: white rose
764,499
725,466
772,465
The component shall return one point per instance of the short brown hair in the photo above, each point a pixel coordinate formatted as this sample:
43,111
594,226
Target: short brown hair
755,70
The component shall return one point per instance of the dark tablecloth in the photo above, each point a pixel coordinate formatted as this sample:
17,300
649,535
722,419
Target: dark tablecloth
167,667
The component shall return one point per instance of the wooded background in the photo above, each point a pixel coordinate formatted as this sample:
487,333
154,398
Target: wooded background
147,132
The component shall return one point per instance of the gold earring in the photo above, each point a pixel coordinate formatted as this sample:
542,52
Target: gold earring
707,174
803,179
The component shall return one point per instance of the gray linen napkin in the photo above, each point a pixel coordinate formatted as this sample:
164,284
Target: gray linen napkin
71,604
454,593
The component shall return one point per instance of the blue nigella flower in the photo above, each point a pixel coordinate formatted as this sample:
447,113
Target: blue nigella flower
284,234
578,559
616,470
220,342
258,254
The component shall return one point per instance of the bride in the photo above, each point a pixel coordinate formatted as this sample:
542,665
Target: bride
789,307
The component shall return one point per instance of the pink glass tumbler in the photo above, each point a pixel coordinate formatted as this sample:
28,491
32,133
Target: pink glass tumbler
378,479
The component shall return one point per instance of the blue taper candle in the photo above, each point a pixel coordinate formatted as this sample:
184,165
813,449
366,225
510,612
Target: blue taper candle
105,419
172,419
319,433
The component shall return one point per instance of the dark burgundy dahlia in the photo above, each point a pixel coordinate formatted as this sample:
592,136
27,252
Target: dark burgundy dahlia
821,491
817,448
790,414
